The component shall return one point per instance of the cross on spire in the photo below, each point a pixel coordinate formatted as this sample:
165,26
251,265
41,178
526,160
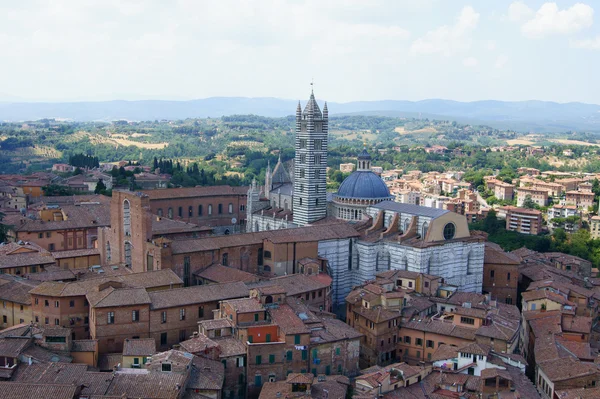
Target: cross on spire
312,84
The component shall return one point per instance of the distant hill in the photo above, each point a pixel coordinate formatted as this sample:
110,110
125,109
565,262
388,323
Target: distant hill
535,116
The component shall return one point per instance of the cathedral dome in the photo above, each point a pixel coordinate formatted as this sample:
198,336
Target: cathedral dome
363,184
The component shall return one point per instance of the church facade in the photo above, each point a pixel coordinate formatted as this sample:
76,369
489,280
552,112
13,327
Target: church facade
392,236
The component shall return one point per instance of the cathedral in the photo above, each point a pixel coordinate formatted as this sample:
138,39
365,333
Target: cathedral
393,236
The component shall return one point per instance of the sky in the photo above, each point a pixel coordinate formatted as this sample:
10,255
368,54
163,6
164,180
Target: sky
353,50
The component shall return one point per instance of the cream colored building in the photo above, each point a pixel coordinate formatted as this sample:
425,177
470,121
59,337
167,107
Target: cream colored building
595,227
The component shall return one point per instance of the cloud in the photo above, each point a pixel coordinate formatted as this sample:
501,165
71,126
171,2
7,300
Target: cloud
470,62
501,61
519,11
549,19
448,40
588,44
490,45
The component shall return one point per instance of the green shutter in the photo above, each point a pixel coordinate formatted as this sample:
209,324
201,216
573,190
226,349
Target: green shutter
304,354
271,359
315,354
224,363
255,316
258,359
296,340
314,371
337,351
327,370
268,337
250,338
258,380
289,355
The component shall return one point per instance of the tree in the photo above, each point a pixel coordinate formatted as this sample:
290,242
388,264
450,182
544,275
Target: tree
100,187
529,203
3,229
491,224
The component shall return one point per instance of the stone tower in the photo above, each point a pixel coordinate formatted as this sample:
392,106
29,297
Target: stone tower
310,196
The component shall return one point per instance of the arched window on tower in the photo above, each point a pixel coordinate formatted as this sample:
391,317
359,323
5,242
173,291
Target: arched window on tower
159,212
406,224
170,213
424,230
126,218
127,248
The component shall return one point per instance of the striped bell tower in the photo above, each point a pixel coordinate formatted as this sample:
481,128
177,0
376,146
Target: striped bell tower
310,164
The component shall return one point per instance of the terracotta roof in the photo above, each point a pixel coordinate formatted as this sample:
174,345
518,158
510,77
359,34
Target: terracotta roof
567,368
51,373
198,344
13,390
139,347
224,274
285,317
471,312
577,324
496,255
84,345
546,294
197,294
300,234
13,346
52,273
476,349
442,328
377,314
187,192
155,385
17,291
78,216
29,254
299,378
578,393
44,355
73,253
165,226
230,347
158,278
215,323
495,372
111,297
206,375
245,305
444,352
296,284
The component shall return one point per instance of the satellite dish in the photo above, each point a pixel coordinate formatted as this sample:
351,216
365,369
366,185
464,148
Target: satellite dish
233,220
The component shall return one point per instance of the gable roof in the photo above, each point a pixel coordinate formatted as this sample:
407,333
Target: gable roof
410,209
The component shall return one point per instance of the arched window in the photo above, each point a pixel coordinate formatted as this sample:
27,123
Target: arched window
230,208
406,224
210,209
267,268
180,211
126,218
220,209
225,259
357,260
199,210
159,212
424,229
256,226
300,201
108,253
268,226
389,261
127,248
190,211
170,213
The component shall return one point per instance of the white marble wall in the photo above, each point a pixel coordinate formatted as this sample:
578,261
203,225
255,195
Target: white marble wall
459,263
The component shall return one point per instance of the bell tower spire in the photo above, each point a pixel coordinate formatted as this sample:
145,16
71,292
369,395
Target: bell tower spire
310,197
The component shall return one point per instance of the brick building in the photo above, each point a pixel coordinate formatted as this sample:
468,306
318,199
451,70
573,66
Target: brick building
65,304
214,206
501,274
